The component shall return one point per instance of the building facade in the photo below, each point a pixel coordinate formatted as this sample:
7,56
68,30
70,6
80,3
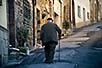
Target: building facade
57,12
20,24
27,21
4,42
80,15
75,12
95,9
18,4
27,11
101,8
43,10
11,22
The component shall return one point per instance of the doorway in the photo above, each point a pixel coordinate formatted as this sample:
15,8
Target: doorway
73,13
83,14
38,26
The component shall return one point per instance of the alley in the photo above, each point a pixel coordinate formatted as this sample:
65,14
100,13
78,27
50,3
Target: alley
80,50
21,23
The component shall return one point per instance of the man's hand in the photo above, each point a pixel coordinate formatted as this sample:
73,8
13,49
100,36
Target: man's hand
59,36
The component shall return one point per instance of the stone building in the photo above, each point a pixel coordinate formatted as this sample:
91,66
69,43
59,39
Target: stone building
80,13
27,11
18,7
43,10
57,11
4,42
27,21
95,9
15,19
11,22
101,8
19,19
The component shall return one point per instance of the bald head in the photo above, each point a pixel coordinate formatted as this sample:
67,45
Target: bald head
49,20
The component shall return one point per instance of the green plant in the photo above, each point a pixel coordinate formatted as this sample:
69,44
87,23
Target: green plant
43,15
22,49
26,35
22,35
65,25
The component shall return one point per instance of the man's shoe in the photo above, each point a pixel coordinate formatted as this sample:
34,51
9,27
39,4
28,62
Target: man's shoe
48,62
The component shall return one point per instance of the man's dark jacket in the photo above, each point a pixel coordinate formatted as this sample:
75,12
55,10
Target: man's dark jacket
49,33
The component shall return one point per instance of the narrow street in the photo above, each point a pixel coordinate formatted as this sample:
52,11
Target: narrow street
25,23
80,50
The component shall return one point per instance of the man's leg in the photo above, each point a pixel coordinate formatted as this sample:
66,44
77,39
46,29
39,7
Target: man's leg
52,51
47,53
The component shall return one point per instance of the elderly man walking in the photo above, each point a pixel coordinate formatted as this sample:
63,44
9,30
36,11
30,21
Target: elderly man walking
49,32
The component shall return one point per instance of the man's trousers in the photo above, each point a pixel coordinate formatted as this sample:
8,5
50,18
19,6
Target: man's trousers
49,51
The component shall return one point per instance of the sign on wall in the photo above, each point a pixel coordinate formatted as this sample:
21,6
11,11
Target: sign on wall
0,2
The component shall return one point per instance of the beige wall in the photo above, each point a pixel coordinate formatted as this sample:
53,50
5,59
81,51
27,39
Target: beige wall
83,4
3,14
57,11
57,6
101,9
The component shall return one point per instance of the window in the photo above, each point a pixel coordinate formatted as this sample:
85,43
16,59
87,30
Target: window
0,2
87,15
19,3
84,14
79,11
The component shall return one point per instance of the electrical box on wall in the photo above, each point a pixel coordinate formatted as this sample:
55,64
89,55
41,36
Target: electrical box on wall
0,2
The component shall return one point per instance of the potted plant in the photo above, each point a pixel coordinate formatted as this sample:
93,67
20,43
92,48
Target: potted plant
65,28
66,25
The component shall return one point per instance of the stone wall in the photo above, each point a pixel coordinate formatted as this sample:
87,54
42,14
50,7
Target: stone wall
3,46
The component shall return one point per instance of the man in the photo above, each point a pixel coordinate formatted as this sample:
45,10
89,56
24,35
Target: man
49,39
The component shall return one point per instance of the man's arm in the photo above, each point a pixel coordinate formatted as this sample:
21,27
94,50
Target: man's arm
58,30
41,33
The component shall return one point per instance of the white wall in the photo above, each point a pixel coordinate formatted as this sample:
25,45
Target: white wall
83,4
3,14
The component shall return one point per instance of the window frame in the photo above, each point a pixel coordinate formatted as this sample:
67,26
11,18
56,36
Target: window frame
79,11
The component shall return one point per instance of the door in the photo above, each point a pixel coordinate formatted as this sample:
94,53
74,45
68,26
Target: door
73,13
83,14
